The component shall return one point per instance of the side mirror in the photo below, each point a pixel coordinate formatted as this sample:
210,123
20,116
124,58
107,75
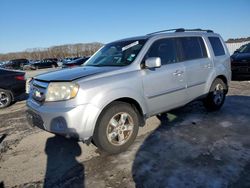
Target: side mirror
153,62
236,51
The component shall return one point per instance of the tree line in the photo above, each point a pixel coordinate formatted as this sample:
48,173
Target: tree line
238,40
60,52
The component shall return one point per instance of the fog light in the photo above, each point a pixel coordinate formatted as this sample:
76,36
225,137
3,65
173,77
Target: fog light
58,124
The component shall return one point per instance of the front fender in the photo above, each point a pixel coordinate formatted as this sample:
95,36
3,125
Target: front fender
101,100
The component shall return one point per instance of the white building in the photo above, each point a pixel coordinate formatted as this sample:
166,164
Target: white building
233,46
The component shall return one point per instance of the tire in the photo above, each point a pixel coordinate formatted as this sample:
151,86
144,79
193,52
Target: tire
216,97
53,66
114,134
36,67
5,98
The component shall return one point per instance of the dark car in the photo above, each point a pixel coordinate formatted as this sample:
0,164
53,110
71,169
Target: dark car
17,64
12,86
76,62
240,61
45,63
68,59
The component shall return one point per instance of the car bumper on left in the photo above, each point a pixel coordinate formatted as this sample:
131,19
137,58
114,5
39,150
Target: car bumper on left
77,122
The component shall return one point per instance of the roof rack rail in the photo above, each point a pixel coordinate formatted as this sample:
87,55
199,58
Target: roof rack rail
181,30
206,30
162,31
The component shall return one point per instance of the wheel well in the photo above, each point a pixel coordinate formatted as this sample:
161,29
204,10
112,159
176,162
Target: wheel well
224,79
136,106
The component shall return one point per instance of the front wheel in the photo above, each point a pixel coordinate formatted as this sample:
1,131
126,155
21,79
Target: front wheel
116,128
216,96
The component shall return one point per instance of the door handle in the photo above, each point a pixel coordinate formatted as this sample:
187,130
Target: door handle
207,66
178,73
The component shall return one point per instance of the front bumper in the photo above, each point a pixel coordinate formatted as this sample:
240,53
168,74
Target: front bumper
76,121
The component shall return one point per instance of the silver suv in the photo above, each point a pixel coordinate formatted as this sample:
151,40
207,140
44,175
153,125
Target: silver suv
128,81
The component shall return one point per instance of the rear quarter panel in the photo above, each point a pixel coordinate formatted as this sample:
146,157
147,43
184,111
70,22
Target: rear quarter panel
7,82
222,65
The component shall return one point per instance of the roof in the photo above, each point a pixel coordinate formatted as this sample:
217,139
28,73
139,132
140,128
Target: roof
171,32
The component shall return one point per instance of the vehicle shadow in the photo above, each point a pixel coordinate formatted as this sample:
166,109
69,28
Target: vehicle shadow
1,184
196,148
63,170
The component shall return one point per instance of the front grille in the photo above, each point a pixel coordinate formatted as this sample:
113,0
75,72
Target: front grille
38,90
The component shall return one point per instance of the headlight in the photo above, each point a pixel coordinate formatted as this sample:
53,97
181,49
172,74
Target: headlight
58,91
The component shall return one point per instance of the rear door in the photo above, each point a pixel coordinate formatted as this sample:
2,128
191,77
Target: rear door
164,87
197,64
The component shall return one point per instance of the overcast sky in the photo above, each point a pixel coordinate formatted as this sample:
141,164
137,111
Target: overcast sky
43,23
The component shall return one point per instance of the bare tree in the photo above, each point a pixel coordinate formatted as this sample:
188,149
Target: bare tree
63,51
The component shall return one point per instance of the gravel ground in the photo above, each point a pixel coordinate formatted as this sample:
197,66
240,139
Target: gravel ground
192,148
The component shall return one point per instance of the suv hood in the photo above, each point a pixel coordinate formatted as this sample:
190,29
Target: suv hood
73,73
241,56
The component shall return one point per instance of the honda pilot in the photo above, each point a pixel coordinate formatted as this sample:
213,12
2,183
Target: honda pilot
129,80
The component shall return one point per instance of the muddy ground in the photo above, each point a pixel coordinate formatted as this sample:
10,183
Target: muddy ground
192,148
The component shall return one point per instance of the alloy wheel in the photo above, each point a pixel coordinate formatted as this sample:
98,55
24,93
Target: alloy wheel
4,99
120,128
218,94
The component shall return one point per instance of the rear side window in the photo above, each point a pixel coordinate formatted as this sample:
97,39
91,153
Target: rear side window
217,46
165,49
192,48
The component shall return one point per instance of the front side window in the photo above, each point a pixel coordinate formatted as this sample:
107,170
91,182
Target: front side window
121,53
192,48
165,49
217,46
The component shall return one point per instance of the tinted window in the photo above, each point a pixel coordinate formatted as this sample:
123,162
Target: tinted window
165,49
217,46
193,48
245,49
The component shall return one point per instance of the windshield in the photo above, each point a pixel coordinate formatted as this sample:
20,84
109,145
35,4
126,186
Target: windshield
245,49
121,53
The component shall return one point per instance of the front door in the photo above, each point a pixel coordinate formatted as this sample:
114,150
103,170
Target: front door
164,87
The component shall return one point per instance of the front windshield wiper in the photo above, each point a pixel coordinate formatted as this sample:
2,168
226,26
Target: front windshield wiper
106,65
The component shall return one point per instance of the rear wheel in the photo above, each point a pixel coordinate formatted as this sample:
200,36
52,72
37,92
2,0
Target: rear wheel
117,128
216,96
5,98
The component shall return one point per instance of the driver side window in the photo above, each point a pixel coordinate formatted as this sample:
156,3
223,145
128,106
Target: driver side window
165,49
